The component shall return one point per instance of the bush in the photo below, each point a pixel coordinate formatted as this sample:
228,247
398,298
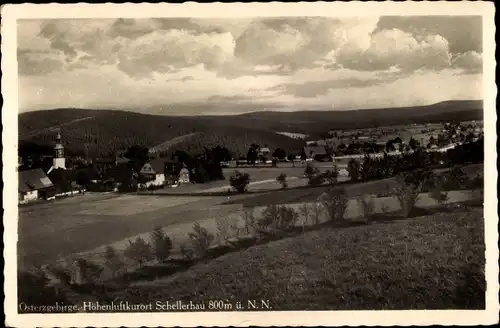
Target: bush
162,244
335,203
200,240
223,229
407,193
438,195
113,261
139,251
34,289
250,221
316,211
367,206
89,271
331,176
354,169
310,171
277,218
456,178
239,181
305,212
282,180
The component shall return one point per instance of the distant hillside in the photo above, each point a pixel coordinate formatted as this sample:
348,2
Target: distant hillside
308,122
104,132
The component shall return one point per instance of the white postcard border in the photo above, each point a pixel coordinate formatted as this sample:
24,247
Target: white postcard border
10,13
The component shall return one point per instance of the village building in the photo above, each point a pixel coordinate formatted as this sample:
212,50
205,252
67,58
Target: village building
315,153
152,173
184,175
34,184
264,152
58,161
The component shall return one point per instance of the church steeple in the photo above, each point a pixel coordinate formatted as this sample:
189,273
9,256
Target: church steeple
59,162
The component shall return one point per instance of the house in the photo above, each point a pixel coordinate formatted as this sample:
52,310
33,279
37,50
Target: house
153,173
264,152
184,175
316,153
34,184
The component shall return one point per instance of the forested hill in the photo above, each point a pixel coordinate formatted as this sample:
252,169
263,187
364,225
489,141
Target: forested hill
104,132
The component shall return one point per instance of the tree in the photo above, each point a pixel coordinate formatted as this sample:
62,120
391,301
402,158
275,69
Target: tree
137,154
279,153
239,181
413,144
253,154
331,176
162,244
354,169
282,180
89,271
139,251
82,178
335,203
200,240
389,146
112,260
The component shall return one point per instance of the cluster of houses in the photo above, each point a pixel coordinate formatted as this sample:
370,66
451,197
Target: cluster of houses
105,174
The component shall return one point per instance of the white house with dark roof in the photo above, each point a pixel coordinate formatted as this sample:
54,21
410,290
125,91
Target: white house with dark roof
153,172
34,184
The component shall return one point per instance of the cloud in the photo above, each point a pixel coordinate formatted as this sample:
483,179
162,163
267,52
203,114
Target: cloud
163,51
401,49
463,33
470,62
297,43
269,62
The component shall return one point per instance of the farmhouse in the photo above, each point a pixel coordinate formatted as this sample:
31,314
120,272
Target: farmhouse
264,152
153,173
34,184
184,175
316,153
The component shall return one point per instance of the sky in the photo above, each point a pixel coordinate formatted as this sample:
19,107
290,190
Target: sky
182,66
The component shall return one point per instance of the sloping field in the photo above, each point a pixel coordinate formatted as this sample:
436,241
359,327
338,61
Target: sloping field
429,262
172,142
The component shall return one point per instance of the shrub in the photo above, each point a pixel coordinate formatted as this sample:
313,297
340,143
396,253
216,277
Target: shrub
367,205
162,244
316,211
200,240
89,271
354,169
438,195
407,194
113,261
331,176
239,181
335,203
223,229
310,172
456,178
186,251
139,251
250,221
277,218
282,180
305,212
34,289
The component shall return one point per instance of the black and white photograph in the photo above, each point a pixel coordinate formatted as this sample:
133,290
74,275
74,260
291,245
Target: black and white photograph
186,162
